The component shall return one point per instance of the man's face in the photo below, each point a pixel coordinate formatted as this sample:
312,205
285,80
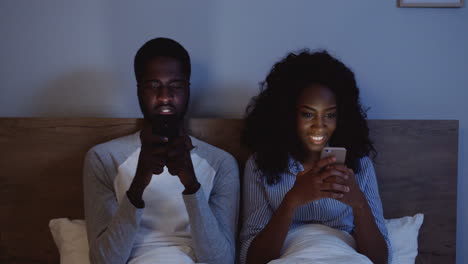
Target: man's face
163,89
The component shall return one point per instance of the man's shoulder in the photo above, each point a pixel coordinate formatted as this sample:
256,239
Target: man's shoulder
121,146
212,154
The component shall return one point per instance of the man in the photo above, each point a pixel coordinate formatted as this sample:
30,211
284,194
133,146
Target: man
152,198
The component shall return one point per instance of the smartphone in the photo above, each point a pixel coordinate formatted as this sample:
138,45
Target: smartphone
166,126
339,153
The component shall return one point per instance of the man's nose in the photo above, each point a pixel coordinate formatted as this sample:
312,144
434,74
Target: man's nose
164,94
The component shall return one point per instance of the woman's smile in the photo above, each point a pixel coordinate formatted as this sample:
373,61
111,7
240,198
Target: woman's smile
317,140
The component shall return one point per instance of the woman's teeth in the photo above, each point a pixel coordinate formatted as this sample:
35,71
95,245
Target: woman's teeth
317,140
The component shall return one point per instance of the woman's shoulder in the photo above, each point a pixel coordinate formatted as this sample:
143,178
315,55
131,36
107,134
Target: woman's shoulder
366,162
251,159
366,170
251,170
251,163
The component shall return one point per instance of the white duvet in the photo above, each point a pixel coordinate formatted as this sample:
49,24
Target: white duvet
317,244
308,244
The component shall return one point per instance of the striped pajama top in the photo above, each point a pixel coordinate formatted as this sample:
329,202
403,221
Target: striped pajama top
261,200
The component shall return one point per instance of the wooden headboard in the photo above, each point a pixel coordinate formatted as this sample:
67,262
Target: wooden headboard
41,164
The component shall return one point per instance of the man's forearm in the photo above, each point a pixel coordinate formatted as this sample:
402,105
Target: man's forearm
213,242
114,244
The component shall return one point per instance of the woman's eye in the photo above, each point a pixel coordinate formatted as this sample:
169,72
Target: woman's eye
306,114
331,115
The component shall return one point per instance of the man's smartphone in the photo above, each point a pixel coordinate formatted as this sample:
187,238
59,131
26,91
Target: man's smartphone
166,126
339,153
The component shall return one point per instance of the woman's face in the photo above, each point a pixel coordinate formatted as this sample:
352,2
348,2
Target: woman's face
316,117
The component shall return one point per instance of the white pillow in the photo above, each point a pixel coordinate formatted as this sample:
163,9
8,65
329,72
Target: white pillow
72,241
403,235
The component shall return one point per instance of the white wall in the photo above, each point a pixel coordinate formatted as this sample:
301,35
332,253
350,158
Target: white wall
74,58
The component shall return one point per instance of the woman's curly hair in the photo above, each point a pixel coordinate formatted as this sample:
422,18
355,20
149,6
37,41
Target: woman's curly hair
270,121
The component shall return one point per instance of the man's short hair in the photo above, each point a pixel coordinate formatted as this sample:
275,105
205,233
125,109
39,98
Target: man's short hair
161,47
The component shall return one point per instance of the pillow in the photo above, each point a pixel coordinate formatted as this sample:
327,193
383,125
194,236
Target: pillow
403,235
71,240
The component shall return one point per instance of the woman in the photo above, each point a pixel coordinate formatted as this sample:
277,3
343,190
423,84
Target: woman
308,101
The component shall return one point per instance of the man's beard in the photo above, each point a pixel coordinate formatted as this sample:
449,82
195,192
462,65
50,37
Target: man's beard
152,116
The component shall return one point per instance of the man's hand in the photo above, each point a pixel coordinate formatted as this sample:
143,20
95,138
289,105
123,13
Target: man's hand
179,162
152,159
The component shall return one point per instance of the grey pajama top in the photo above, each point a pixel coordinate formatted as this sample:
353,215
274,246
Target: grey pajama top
198,227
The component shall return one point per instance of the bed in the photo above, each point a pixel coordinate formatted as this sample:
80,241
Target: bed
41,162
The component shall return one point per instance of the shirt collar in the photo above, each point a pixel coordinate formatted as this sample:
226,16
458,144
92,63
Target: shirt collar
294,166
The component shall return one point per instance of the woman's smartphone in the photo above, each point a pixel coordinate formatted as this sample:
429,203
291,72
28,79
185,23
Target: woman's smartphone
339,153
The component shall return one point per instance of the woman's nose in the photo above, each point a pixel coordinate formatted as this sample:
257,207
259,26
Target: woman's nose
318,122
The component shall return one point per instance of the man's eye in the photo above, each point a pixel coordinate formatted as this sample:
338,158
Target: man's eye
177,85
151,85
306,114
331,115
155,85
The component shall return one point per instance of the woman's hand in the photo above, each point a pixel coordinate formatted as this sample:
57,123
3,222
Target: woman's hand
369,239
355,197
322,181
